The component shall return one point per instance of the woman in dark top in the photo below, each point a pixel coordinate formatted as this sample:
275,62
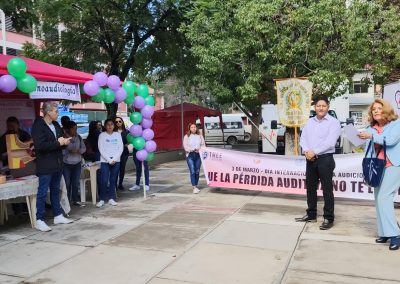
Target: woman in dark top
120,127
92,147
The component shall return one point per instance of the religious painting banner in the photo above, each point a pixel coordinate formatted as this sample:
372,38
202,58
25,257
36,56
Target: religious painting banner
294,101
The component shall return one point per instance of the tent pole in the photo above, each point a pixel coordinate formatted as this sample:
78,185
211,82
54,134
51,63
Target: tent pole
182,130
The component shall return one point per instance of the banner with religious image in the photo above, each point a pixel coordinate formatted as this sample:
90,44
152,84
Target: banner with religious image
294,101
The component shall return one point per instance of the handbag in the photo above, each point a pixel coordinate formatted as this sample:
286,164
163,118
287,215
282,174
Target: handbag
373,167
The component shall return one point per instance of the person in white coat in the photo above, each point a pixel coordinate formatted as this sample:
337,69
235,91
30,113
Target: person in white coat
111,148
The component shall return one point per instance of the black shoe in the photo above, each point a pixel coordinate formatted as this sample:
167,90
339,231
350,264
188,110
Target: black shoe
382,240
326,225
77,203
306,218
394,243
121,187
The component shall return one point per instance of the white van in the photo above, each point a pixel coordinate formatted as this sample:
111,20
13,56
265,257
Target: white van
233,130
246,123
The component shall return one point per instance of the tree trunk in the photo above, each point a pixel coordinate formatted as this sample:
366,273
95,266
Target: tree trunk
254,131
112,110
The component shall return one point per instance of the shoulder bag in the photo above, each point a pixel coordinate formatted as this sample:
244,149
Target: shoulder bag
373,168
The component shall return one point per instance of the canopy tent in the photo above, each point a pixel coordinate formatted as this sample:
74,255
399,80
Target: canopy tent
18,103
47,72
167,123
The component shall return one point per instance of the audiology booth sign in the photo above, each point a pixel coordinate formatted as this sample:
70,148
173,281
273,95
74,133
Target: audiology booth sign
56,91
285,174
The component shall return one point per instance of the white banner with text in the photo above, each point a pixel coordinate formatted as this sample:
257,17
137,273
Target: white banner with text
56,91
284,174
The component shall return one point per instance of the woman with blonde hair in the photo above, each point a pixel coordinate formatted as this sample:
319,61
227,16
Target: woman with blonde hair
385,129
192,142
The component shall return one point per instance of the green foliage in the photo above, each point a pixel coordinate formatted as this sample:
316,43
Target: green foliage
242,45
134,39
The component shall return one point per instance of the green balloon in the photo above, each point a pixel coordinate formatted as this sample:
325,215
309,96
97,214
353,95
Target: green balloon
109,96
150,156
149,101
139,143
142,90
129,99
130,138
136,117
17,68
99,97
129,87
27,84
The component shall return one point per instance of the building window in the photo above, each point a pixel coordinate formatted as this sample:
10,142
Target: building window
360,87
10,51
357,116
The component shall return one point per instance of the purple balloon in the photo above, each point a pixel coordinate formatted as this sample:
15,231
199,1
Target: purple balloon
101,78
150,146
139,102
136,130
148,134
8,83
120,95
113,82
91,88
147,123
147,111
141,155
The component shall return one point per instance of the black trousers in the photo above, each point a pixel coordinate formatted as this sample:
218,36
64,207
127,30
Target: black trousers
121,175
320,170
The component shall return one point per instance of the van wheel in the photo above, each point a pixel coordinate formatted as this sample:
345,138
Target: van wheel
247,137
232,140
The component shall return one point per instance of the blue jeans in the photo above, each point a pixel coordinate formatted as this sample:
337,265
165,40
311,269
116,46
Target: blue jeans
194,164
51,181
109,175
138,166
72,175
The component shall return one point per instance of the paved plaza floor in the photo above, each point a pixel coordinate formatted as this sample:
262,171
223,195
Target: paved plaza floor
218,236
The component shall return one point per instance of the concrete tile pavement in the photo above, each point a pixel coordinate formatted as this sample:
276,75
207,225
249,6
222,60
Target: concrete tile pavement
218,236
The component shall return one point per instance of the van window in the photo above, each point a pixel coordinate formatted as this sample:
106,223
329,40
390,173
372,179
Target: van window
233,125
212,125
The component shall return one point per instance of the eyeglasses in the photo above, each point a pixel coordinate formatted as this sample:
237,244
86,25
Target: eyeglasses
118,121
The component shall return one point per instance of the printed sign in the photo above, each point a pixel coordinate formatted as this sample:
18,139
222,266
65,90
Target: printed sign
56,91
285,174
391,93
294,101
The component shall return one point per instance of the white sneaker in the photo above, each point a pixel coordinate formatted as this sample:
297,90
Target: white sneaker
100,204
196,190
147,188
42,226
112,202
133,188
60,219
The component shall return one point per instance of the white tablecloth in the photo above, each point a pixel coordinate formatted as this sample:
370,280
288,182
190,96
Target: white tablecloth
25,186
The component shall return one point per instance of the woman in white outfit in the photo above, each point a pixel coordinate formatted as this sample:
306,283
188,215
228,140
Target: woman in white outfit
111,148
192,142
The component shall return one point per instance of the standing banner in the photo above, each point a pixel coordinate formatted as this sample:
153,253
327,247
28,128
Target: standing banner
294,101
284,174
56,91
391,93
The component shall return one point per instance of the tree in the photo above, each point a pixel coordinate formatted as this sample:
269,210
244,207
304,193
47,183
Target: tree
123,37
242,45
